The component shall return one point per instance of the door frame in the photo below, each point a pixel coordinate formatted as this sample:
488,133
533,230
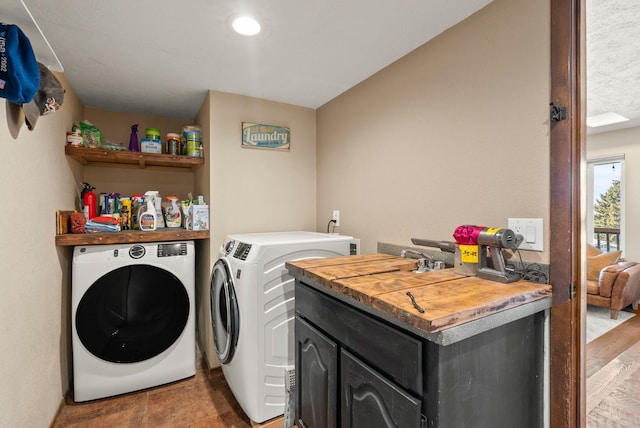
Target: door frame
567,203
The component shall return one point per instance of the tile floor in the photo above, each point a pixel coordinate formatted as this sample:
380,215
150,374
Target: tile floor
203,400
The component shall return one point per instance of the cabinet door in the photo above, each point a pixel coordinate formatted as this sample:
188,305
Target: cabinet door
316,377
368,400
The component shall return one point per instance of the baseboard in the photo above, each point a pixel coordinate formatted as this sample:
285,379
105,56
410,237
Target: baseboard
60,407
271,423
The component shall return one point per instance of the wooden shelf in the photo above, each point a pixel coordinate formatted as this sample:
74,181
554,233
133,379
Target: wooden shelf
126,159
130,236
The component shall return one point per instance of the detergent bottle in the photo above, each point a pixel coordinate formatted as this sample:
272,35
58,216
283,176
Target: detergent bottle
172,215
137,202
156,200
89,201
147,218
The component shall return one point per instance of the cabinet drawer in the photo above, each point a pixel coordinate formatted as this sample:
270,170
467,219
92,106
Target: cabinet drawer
394,353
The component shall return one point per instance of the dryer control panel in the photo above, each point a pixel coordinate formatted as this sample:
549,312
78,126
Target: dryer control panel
242,251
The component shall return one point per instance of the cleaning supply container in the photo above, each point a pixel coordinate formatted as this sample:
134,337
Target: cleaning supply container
147,218
192,140
156,200
152,133
173,144
172,215
137,202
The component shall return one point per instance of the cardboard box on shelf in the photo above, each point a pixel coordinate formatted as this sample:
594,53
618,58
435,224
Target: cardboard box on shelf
200,217
195,217
150,146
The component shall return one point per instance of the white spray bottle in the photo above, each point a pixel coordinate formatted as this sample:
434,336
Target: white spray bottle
147,218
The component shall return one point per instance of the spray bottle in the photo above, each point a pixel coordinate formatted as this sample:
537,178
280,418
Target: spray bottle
147,218
88,201
133,140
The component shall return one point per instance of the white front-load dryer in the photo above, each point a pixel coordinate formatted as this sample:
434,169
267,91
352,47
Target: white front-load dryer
132,317
253,312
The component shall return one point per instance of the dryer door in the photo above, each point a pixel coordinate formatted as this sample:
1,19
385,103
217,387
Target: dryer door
132,313
224,311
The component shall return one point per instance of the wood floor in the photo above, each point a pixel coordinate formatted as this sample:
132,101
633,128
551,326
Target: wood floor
613,394
613,377
203,400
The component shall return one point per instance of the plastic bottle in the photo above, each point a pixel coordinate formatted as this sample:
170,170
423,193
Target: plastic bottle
148,218
133,140
125,213
172,215
89,200
154,197
114,205
136,210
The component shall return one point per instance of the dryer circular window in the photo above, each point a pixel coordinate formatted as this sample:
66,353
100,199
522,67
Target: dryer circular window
132,313
224,313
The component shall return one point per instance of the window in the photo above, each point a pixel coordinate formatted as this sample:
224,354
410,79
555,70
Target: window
605,203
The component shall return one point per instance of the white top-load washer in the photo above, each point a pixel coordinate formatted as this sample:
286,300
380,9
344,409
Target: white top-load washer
253,311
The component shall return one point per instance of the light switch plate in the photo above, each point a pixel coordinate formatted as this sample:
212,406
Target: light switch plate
531,229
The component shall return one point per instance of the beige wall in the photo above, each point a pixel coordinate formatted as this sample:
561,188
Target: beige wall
116,128
35,349
624,142
454,133
256,190
204,253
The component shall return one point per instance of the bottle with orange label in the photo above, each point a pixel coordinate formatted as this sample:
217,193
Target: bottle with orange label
172,215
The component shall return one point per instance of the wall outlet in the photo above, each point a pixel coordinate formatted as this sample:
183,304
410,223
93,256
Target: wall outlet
532,231
336,217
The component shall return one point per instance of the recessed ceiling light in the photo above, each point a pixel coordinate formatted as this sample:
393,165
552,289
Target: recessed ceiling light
605,119
246,26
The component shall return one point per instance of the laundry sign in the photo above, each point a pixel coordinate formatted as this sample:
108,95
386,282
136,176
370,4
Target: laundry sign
256,135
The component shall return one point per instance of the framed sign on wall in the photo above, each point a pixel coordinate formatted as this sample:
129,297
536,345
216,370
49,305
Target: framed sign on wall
256,135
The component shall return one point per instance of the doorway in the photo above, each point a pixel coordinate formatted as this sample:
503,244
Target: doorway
568,205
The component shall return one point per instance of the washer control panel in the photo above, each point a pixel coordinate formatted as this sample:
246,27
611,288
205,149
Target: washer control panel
172,250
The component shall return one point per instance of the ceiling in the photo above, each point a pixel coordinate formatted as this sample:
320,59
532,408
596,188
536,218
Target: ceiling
161,57
613,60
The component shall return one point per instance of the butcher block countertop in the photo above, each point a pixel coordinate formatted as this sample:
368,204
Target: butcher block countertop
455,306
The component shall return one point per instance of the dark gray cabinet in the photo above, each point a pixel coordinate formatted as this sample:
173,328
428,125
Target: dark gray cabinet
354,369
317,375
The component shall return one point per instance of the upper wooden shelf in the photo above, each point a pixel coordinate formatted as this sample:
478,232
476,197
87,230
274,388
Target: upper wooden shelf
126,159
130,236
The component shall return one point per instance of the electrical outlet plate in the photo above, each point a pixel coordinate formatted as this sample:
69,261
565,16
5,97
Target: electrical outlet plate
531,229
336,217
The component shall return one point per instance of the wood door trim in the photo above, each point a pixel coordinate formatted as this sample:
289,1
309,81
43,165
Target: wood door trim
566,161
